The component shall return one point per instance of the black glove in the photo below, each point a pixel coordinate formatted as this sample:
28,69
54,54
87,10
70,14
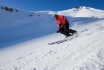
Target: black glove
57,31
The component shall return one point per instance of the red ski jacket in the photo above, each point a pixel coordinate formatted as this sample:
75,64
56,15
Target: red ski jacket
61,20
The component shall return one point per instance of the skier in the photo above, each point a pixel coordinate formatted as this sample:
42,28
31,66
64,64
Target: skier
63,25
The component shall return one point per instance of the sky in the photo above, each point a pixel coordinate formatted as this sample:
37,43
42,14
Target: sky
54,5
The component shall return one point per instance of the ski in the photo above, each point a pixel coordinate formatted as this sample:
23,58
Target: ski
64,40
61,41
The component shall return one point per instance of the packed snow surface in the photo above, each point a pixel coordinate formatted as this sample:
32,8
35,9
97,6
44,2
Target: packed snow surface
24,38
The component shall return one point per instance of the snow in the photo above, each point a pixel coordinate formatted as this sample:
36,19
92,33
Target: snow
24,48
83,12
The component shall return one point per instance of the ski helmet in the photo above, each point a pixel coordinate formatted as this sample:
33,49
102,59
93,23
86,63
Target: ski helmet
54,15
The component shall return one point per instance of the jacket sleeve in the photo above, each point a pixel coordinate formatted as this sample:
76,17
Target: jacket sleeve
62,21
59,23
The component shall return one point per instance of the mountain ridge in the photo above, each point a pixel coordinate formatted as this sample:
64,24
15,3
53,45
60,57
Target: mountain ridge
74,12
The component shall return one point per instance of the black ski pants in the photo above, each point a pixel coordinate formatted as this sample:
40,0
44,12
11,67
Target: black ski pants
66,31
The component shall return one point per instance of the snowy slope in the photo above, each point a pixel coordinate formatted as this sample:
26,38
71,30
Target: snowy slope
17,25
85,52
24,38
24,25
83,11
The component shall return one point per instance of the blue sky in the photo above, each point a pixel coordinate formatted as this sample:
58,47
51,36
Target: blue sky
54,5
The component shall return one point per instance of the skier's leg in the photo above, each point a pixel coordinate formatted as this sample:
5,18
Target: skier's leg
64,32
66,28
72,31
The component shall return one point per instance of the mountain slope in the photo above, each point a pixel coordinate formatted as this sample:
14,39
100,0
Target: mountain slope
83,11
26,36
24,25
17,25
82,53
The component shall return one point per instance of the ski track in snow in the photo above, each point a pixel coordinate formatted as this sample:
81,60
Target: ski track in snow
85,52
